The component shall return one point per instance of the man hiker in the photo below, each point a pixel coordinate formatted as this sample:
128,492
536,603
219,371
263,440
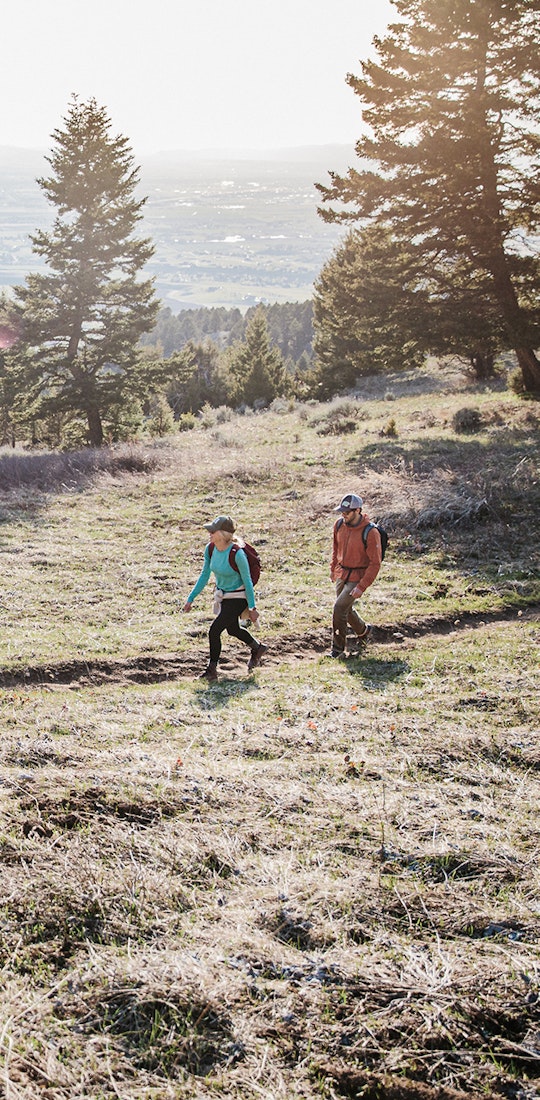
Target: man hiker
233,595
356,560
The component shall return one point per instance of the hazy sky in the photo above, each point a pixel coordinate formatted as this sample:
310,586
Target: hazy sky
188,74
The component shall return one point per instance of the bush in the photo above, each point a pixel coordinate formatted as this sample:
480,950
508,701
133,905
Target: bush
390,428
467,420
515,382
161,420
186,422
337,426
282,405
207,416
340,418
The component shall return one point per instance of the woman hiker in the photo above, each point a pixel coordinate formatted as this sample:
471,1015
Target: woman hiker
234,595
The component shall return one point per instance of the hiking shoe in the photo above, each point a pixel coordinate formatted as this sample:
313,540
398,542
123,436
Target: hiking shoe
257,656
210,673
337,653
360,641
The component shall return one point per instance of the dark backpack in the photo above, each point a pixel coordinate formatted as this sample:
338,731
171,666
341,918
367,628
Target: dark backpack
369,527
252,556
382,533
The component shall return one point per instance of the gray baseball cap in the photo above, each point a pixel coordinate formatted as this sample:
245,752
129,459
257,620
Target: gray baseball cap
348,502
220,523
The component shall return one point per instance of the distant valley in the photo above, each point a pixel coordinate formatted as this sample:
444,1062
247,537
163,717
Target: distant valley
229,230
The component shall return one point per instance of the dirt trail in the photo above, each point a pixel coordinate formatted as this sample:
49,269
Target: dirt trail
159,667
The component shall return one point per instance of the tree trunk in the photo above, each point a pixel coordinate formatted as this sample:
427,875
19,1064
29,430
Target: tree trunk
95,427
516,319
482,364
530,369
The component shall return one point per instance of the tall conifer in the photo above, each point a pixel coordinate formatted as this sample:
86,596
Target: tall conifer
450,163
256,365
82,320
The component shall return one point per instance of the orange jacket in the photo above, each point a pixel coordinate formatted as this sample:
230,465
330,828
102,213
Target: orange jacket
351,560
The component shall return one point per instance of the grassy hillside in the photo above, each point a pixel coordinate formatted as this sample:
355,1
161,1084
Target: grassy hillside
318,880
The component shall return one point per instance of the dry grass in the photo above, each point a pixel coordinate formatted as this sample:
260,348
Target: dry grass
54,471
317,881
201,894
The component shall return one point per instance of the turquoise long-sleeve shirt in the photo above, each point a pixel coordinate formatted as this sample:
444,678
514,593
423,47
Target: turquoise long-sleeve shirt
227,578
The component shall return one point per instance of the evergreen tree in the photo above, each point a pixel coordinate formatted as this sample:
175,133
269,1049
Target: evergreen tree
194,377
257,366
450,162
9,334
373,311
81,321
362,305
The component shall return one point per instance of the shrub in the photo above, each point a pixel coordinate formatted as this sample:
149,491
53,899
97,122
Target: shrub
337,426
282,405
390,428
515,382
467,420
186,422
161,420
340,418
207,416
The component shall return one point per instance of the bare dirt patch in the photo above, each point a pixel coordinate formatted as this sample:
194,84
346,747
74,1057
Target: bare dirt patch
155,669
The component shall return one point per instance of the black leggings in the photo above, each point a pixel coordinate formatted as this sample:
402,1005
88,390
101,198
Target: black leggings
228,620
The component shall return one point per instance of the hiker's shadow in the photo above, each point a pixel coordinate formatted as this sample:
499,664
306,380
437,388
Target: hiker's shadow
375,674
226,690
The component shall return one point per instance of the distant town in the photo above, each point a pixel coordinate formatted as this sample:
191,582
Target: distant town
229,230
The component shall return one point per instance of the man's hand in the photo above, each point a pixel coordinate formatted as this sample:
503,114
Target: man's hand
356,593
187,606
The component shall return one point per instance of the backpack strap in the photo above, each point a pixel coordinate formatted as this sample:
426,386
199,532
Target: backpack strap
232,554
369,527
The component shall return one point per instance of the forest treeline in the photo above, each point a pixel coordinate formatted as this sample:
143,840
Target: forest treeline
290,328
440,253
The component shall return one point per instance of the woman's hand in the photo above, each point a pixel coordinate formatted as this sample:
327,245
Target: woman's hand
187,606
253,614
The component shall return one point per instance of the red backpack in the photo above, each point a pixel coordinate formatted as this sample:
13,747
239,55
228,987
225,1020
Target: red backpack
252,556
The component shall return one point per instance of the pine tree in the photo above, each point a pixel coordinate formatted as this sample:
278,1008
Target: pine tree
374,311
194,376
450,163
82,320
362,304
257,366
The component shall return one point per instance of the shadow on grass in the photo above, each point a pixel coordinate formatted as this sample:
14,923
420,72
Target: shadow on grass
376,675
461,455
218,695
